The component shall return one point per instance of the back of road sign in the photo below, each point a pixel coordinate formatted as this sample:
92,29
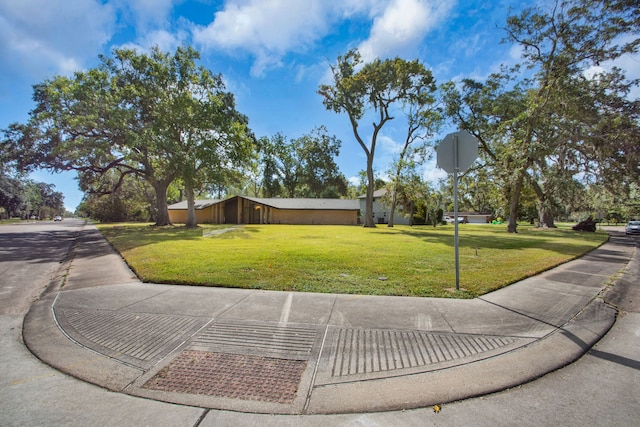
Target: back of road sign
467,151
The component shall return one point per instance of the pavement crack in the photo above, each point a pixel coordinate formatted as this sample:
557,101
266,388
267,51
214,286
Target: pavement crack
201,418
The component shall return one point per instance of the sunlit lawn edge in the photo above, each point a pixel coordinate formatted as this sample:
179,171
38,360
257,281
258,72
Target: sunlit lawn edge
403,260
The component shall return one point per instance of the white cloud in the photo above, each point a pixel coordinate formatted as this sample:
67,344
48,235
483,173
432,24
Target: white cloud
402,26
432,173
41,37
146,15
630,66
153,24
354,180
348,8
165,40
268,29
389,146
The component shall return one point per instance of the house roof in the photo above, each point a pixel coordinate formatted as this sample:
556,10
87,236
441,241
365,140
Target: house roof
378,193
281,203
307,204
200,204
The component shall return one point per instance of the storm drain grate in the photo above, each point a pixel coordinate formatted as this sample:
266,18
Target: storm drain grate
231,375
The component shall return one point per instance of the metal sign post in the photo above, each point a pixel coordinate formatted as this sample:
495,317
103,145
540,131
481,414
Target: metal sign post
455,211
456,153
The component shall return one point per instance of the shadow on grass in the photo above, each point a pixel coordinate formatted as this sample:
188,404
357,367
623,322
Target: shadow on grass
499,239
129,236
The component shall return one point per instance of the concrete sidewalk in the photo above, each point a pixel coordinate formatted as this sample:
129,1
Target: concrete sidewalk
295,353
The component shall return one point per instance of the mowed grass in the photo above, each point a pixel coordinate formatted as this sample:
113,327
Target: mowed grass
410,261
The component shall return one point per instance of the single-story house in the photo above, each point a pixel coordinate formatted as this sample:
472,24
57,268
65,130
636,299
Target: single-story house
472,217
381,212
204,211
256,210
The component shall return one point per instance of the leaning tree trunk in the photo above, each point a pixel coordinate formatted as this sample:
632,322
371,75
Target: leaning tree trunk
162,218
368,206
394,202
514,203
545,211
191,206
545,216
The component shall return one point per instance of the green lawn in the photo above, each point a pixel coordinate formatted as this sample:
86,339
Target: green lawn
10,221
415,261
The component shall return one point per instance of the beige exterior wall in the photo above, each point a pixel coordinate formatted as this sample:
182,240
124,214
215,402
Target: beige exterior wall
293,216
215,215
203,216
178,216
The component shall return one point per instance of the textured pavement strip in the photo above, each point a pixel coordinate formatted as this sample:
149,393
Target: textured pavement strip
201,354
138,339
270,338
231,375
361,351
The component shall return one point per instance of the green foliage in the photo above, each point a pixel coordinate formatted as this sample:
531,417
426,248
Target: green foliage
157,116
380,87
41,200
302,167
11,195
131,200
540,129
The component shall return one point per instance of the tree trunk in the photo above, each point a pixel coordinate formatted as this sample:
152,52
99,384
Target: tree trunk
162,217
191,206
368,206
545,212
411,216
514,203
545,215
394,201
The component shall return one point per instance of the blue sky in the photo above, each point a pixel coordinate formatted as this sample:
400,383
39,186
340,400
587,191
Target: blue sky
273,54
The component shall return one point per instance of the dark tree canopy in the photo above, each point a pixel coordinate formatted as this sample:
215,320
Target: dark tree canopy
157,116
302,167
543,124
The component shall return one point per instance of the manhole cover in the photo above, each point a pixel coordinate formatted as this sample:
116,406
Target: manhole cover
231,375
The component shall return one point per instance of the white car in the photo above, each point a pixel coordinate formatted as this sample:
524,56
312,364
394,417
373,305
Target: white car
57,218
632,227
450,219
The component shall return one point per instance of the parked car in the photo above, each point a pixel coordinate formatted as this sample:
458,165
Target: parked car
450,219
57,218
632,227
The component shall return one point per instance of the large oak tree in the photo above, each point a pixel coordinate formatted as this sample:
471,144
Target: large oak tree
157,116
379,87
545,122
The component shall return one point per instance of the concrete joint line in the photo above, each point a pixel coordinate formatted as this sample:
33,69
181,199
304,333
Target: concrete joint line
318,358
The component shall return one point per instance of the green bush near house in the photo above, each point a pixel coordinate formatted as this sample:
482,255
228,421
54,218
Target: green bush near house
410,261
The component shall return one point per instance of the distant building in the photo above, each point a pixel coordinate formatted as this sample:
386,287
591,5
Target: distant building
382,212
470,217
255,210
